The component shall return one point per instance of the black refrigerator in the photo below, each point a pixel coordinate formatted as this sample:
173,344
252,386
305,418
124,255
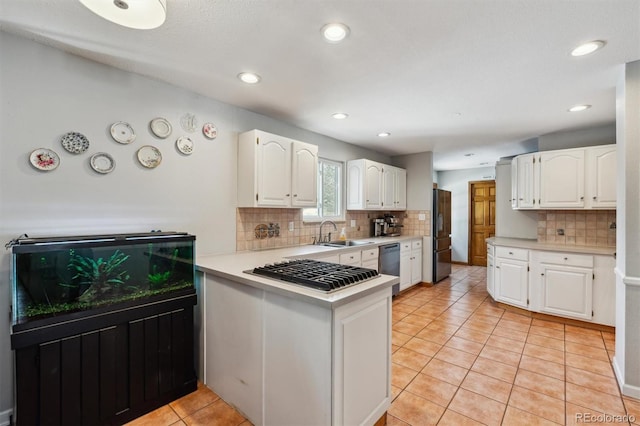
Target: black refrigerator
441,234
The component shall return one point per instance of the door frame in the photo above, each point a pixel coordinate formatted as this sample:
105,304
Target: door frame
470,213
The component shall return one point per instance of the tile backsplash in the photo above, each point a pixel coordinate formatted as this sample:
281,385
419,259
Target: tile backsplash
578,228
260,228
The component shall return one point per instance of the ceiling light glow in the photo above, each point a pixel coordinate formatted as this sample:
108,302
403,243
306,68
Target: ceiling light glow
384,134
587,48
137,14
471,154
249,77
335,33
579,108
340,115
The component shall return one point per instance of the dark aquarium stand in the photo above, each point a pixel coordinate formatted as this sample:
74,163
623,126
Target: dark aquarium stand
126,348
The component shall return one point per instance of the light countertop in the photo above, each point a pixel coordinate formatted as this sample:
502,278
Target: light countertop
232,266
535,245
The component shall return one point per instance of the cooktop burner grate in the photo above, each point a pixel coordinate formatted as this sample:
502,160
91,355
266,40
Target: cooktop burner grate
323,276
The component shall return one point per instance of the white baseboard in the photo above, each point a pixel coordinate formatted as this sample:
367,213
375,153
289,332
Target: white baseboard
5,416
625,389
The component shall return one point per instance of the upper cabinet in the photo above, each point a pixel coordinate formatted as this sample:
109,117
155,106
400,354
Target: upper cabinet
274,171
375,186
583,178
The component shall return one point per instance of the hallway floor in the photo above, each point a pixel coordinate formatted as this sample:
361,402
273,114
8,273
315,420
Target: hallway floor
458,359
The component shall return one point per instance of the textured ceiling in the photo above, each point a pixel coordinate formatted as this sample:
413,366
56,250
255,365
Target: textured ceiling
449,76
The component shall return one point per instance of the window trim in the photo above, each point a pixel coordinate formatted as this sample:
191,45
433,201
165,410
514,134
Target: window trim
342,196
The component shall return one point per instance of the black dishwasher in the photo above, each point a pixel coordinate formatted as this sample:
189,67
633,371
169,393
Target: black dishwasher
390,263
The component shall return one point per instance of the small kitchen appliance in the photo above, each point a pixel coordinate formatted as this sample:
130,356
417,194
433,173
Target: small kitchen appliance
392,226
377,227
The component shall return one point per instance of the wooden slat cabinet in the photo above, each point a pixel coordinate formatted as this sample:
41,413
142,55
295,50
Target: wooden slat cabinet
108,375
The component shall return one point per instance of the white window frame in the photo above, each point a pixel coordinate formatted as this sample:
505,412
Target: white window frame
341,196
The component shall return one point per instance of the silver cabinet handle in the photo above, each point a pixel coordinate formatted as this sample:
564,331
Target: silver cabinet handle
511,253
295,195
566,258
581,198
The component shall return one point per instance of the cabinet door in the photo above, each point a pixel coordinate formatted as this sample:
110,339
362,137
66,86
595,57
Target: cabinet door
401,189
304,175
490,276
601,176
389,187
562,179
355,185
373,185
416,266
405,265
511,282
567,291
514,183
526,181
274,171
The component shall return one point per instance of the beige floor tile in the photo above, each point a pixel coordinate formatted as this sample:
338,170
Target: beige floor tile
406,327
394,421
593,365
451,418
633,407
540,383
415,410
402,308
487,386
584,339
495,369
395,391
505,344
488,319
588,351
542,366
473,335
442,326
505,357
515,317
547,342
538,404
593,381
432,389
445,371
218,413
477,407
510,333
410,359
547,332
547,324
417,320
434,336
181,423
394,348
578,416
163,416
401,376
464,345
513,325
399,339
595,400
546,354
480,326
516,417
194,401
422,346
456,357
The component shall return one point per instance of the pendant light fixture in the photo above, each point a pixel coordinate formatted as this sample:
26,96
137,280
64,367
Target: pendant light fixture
137,14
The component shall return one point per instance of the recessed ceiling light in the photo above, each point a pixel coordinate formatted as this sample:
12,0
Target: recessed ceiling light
340,115
579,108
249,77
140,15
471,154
335,33
586,48
384,134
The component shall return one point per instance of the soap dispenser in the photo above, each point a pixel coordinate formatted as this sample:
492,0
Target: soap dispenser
343,234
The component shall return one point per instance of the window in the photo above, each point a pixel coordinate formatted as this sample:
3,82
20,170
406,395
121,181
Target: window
330,204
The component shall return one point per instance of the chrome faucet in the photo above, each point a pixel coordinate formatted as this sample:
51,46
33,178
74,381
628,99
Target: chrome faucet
335,228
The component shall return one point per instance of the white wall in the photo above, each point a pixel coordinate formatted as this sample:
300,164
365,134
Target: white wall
511,223
46,93
591,136
457,181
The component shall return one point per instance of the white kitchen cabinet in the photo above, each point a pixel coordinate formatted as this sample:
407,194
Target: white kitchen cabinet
512,276
375,186
405,265
562,179
370,258
395,188
416,261
274,171
351,258
601,176
491,267
514,183
525,177
566,291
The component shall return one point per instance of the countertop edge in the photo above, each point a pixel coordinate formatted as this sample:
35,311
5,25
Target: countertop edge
535,245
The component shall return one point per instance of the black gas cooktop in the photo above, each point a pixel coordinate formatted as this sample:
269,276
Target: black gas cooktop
323,276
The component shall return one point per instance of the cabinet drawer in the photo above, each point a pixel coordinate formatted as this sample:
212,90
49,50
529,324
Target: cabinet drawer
512,253
490,250
351,258
405,246
569,259
416,244
369,254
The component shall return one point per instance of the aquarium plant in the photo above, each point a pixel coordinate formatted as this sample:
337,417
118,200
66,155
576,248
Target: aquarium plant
160,279
102,276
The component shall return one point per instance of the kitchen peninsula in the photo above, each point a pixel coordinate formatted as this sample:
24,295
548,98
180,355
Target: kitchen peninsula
289,355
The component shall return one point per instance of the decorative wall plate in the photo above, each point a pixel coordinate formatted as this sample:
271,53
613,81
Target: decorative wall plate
209,130
74,142
149,156
160,127
122,132
102,162
184,145
261,231
189,122
44,159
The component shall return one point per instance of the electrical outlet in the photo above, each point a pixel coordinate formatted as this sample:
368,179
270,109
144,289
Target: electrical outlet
422,216
353,223
291,226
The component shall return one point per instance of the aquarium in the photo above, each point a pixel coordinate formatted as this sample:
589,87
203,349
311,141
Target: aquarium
70,277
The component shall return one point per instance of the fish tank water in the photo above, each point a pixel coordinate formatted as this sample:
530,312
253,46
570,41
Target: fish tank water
55,277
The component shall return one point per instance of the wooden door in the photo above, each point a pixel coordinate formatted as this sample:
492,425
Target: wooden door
482,219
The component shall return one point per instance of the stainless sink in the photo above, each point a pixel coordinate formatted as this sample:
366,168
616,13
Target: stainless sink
346,243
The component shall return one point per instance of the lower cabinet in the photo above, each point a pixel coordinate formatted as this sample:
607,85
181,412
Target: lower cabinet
512,282
566,291
370,258
491,275
106,369
410,263
416,261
